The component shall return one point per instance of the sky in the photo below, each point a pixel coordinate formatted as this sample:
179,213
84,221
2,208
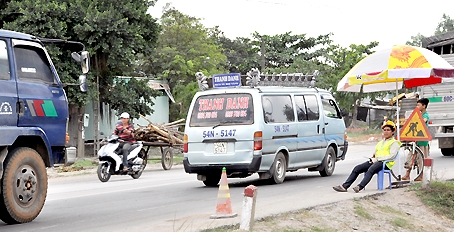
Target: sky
388,22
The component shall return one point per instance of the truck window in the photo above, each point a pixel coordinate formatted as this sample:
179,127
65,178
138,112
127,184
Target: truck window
313,112
32,65
4,64
277,109
223,109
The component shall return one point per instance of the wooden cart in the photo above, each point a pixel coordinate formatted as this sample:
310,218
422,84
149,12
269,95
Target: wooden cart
166,152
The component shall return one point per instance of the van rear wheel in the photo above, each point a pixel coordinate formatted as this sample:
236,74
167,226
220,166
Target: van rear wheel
279,169
212,179
329,162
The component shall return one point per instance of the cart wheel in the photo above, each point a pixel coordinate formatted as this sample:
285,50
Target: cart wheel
167,158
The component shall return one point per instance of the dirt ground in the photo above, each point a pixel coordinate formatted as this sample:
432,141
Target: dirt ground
399,209
393,210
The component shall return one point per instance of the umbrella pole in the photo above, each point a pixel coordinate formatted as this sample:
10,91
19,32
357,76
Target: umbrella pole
397,110
397,125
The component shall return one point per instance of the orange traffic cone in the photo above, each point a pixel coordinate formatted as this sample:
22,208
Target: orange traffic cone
224,205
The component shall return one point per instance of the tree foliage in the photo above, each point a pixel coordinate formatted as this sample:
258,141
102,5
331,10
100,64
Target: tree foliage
185,47
416,40
113,31
446,24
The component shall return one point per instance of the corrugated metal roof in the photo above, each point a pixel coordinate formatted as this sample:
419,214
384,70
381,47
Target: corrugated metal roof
449,58
429,42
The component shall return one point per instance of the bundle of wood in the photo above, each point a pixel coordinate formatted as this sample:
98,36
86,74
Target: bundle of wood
167,132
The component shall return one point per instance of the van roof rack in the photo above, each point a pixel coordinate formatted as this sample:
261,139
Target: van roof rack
254,78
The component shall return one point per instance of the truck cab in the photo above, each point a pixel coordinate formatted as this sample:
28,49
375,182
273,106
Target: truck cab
33,124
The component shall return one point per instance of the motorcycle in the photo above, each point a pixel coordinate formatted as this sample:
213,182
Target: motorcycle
110,159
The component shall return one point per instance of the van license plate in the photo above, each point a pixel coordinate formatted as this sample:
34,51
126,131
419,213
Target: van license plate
220,147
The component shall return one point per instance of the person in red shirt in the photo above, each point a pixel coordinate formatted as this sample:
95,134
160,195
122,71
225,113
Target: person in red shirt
125,131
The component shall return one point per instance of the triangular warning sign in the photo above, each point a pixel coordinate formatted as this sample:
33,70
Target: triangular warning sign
415,129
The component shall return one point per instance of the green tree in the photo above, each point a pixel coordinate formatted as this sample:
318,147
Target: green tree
446,24
114,33
185,47
241,55
341,60
416,40
281,50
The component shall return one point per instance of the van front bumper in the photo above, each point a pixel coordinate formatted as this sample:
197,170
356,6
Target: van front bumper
230,168
344,149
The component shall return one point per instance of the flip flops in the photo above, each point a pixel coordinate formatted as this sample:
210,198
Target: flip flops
356,189
339,188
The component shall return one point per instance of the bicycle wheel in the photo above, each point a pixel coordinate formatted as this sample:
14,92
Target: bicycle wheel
416,162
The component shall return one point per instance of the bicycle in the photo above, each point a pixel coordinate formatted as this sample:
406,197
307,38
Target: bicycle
407,150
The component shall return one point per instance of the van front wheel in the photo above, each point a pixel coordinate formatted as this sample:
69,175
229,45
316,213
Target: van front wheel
329,162
279,169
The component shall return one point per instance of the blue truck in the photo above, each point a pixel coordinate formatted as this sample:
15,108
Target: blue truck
33,122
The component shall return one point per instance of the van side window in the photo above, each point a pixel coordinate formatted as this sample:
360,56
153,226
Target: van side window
4,64
301,111
32,65
277,109
330,109
313,112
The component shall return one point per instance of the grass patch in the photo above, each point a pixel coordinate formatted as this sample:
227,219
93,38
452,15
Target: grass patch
78,166
155,160
439,196
401,222
360,211
357,132
389,209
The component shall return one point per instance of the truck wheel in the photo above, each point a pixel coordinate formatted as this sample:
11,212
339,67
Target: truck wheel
329,162
167,158
144,156
103,172
24,186
279,169
212,179
447,151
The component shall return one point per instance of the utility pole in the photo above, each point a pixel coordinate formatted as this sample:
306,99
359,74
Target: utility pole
96,112
262,54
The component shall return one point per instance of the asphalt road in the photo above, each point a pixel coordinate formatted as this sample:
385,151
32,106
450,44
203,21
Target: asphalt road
175,201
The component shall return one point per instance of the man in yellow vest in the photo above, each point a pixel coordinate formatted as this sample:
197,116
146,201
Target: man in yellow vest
386,149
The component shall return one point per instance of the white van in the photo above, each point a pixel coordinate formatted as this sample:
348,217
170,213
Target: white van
267,130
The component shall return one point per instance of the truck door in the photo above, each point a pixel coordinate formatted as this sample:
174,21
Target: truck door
40,92
8,90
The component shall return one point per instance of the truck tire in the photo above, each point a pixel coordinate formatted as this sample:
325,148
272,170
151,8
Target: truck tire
24,186
447,151
329,162
279,169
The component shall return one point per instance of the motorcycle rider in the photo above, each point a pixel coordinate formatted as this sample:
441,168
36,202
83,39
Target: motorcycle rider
125,131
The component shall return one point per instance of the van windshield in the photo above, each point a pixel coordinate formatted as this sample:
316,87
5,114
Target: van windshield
223,109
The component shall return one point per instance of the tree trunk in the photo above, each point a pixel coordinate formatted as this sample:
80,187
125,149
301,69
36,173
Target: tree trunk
357,101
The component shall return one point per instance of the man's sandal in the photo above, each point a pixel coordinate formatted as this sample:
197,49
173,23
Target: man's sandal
340,188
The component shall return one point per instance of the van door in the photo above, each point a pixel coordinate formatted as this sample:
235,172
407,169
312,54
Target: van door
311,141
280,130
40,92
334,126
8,90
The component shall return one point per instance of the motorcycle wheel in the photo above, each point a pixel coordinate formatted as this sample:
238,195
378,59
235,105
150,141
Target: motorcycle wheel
103,173
144,156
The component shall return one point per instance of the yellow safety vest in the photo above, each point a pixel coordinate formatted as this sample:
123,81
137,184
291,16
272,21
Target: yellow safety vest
383,149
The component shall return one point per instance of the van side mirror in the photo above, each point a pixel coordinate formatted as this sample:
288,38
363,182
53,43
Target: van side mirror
84,59
344,112
83,83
